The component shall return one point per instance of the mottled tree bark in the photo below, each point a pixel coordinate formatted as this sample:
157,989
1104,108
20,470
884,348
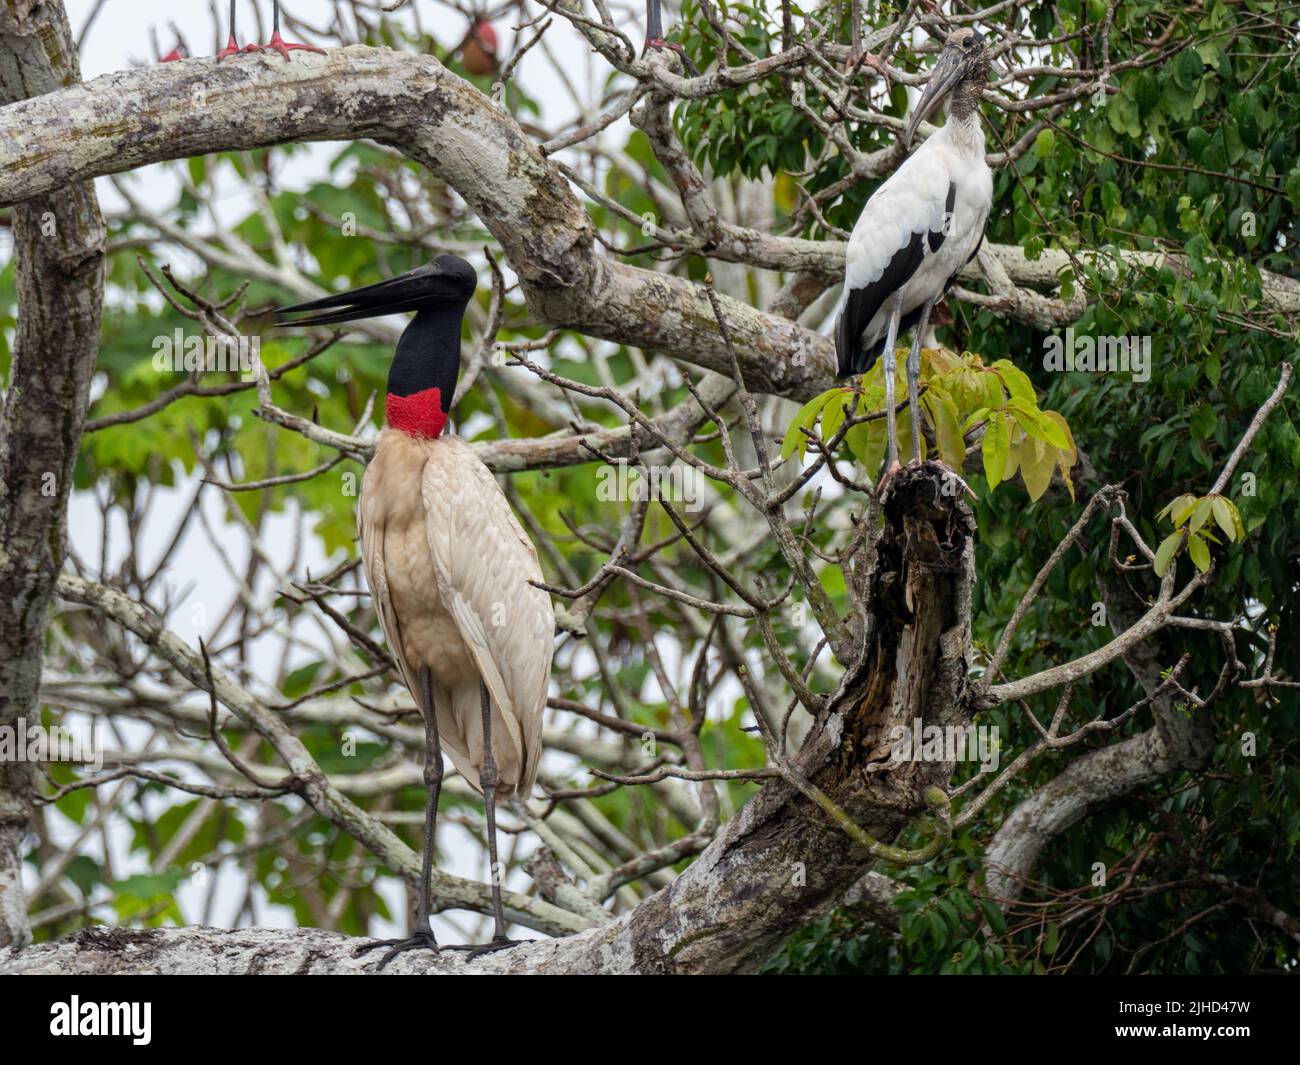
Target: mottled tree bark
59,250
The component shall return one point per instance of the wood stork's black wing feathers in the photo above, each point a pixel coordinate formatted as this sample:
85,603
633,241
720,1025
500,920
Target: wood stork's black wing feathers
969,259
908,216
938,236
853,354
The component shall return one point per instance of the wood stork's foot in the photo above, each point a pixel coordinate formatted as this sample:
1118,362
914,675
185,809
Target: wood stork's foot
477,950
890,469
174,56
279,44
419,941
231,49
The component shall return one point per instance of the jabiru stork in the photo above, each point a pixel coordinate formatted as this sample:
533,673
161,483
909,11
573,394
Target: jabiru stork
450,569
654,36
275,44
917,231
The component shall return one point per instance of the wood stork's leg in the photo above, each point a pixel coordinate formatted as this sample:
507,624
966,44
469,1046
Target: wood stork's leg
487,779
913,375
422,934
888,366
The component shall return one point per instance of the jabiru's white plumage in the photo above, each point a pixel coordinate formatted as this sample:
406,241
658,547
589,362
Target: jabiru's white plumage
918,230
449,567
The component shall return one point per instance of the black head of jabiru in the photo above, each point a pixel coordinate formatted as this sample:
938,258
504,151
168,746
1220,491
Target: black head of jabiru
961,71
426,365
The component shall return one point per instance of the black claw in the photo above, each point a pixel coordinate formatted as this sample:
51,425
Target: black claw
478,950
672,46
419,941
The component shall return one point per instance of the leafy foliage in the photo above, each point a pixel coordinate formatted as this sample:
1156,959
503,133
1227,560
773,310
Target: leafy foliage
960,396
1190,516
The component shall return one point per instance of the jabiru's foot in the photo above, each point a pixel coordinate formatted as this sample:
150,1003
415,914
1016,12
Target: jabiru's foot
477,950
279,44
672,46
419,941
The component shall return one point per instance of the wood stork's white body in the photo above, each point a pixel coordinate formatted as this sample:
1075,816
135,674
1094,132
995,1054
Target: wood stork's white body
929,216
917,232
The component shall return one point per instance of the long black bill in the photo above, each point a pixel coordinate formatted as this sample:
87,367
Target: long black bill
947,75
412,291
398,294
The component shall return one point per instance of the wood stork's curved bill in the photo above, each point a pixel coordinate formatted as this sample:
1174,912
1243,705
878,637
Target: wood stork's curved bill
447,280
961,58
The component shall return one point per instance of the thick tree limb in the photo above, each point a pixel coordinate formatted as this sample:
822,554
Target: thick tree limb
175,110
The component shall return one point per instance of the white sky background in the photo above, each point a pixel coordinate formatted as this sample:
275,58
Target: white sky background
119,39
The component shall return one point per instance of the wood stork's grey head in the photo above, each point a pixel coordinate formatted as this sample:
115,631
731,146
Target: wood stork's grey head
962,69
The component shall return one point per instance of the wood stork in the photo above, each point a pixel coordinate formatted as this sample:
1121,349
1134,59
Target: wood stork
917,231
275,44
449,568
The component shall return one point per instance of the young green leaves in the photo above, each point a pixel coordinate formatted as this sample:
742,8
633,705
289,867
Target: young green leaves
959,396
1190,516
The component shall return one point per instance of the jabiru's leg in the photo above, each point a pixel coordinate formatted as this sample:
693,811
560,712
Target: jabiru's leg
654,36
888,366
279,44
913,375
422,935
487,779
232,45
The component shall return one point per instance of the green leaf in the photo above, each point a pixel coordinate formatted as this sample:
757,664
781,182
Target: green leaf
1070,453
833,415
1200,514
796,440
997,444
1199,551
1017,382
944,417
1166,551
974,418
1037,425
1202,422
1223,517
1177,507
1037,462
